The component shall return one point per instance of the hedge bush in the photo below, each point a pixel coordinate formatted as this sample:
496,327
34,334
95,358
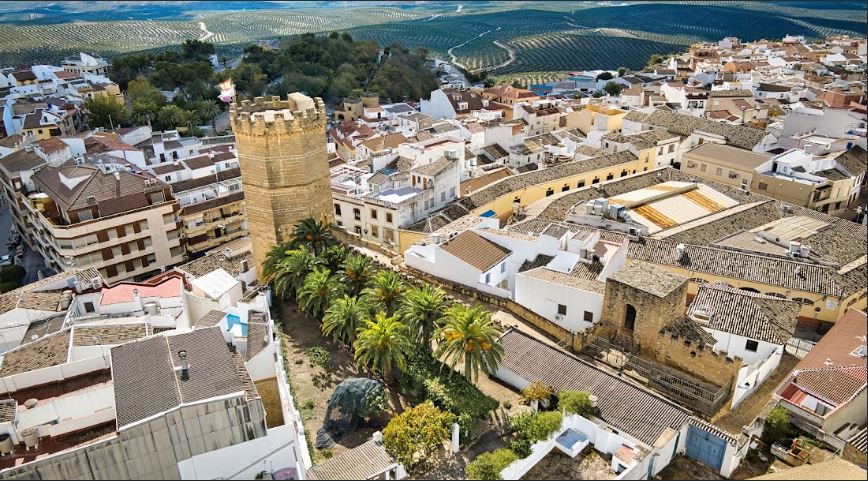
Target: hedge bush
576,402
11,273
489,465
429,378
532,427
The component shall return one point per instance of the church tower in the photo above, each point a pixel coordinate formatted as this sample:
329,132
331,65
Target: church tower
284,166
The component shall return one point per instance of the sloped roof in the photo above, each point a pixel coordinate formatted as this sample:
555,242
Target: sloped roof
627,407
476,250
746,314
683,124
835,468
362,462
648,278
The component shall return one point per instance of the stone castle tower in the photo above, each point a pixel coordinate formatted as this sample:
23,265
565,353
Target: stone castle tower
284,166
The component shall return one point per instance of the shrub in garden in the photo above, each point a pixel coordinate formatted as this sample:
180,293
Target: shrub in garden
413,436
537,391
532,427
576,402
489,465
777,426
318,356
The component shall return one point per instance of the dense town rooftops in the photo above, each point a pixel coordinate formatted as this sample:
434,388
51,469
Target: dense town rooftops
683,124
78,186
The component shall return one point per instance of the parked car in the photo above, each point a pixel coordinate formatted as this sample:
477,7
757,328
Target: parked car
5,260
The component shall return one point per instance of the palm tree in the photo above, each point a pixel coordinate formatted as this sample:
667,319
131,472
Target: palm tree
318,289
470,333
312,234
270,265
334,256
189,120
208,110
383,344
291,271
423,308
384,291
171,116
143,112
355,272
343,319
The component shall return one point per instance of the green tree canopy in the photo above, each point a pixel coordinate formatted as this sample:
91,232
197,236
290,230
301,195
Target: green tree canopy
383,344
471,336
415,435
576,402
105,111
613,88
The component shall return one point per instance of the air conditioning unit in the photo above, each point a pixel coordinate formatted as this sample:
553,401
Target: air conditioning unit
559,317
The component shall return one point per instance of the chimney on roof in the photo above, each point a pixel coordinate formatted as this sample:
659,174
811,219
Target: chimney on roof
185,366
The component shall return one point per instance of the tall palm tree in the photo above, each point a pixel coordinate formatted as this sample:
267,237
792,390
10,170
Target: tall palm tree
270,265
143,112
469,333
189,120
355,272
291,271
384,291
343,318
383,344
423,308
313,234
334,256
318,289
171,116
208,110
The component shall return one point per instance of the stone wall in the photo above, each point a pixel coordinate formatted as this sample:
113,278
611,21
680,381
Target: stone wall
284,168
652,313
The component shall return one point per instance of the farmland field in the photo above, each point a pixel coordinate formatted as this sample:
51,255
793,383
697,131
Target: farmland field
542,36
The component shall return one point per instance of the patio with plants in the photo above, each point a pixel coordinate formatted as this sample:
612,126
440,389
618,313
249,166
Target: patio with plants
345,317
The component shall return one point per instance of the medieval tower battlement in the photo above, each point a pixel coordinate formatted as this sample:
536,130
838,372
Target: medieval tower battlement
284,166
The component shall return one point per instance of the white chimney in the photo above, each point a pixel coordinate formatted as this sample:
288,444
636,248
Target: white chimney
679,251
377,437
795,248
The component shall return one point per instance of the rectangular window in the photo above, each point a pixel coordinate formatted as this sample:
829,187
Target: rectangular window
487,277
373,213
671,148
589,316
503,267
703,167
337,209
168,178
168,218
443,196
751,345
452,192
88,307
375,231
719,171
763,186
357,214
562,309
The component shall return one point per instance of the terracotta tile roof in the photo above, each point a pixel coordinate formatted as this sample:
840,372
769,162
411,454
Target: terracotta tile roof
835,468
476,183
476,250
167,168
744,313
683,124
210,319
218,259
21,160
48,351
687,329
113,192
51,145
24,75
362,462
198,162
854,160
434,168
627,407
257,332
728,155
838,345
146,381
108,334
648,278
834,384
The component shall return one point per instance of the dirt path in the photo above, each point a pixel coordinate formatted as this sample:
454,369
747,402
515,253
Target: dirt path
454,58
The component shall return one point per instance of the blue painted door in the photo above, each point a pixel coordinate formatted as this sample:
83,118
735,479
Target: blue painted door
705,447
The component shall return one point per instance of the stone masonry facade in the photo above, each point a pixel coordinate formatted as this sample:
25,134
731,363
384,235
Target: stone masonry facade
284,166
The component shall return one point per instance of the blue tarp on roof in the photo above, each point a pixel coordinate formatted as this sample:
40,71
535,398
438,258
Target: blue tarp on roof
388,170
488,213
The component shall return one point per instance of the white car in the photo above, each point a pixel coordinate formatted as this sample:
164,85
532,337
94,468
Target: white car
6,260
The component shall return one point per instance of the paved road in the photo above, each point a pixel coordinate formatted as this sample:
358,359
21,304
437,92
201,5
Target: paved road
31,261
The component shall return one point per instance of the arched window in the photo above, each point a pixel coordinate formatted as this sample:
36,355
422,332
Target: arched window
550,191
803,301
630,317
750,289
610,176
776,294
697,280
